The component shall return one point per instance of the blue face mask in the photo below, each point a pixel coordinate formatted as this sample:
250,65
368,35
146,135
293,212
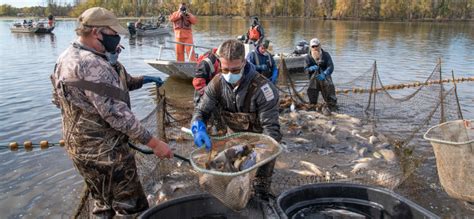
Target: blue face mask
233,78
112,57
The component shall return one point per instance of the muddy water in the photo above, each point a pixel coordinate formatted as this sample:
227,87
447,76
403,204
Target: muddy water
44,183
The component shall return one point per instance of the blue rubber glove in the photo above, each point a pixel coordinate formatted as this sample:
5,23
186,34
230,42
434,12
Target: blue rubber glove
200,135
321,77
313,68
274,75
149,79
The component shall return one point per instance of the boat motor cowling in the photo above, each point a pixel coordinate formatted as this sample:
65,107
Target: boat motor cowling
131,28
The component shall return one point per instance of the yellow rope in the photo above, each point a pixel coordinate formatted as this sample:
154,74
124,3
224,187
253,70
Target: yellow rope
402,86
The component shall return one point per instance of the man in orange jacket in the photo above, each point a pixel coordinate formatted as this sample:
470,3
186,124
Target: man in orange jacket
182,21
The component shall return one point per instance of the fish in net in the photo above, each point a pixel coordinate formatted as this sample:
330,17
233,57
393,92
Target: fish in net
233,186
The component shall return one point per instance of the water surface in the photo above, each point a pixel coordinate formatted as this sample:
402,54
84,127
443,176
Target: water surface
44,183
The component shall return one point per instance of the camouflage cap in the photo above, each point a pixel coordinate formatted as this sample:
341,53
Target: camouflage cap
101,17
265,44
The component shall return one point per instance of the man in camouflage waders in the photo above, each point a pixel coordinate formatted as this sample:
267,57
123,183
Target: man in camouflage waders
249,103
97,119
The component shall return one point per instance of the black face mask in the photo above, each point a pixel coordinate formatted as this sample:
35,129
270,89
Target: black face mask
110,42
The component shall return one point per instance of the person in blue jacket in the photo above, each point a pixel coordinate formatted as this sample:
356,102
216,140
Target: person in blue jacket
263,61
319,67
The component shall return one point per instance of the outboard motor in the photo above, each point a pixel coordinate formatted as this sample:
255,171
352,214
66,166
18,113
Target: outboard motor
131,28
242,38
302,47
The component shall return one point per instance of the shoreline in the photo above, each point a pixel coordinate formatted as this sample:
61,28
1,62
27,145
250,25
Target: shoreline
432,20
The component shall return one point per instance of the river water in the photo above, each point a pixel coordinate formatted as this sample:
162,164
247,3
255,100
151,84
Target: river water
44,183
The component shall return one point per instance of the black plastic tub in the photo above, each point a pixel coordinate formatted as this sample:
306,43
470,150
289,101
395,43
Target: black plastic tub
201,206
340,200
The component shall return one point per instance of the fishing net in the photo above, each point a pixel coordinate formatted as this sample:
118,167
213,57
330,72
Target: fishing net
233,188
453,144
398,114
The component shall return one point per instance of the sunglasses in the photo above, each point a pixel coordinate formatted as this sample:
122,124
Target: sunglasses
232,70
315,46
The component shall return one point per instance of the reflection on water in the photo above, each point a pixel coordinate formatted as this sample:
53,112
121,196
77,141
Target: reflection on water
43,183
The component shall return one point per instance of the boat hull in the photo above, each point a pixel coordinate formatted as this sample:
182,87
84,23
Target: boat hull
185,70
176,69
152,32
31,30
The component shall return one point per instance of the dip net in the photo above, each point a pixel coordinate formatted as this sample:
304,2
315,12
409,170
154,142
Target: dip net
453,144
233,188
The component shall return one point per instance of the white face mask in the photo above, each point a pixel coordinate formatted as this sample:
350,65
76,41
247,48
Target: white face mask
233,78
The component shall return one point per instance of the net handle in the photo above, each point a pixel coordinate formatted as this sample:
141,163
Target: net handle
233,174
427,134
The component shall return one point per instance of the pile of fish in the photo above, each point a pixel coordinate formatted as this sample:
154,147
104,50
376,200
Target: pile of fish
233,159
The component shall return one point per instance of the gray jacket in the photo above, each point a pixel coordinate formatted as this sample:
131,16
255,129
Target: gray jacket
262,112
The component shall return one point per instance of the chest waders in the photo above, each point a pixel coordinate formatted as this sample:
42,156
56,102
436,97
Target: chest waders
99,152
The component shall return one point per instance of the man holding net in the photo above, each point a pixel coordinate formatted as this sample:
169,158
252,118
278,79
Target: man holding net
91,88
249,103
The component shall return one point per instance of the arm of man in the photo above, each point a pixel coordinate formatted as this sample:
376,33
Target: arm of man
262,33
115,112
307,64
274,70
330,67
268,104
133,83
272,60
251,57
200,76
208,102
247,36
175,16
192,19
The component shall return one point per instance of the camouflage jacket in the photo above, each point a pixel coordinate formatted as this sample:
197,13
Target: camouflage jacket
264,103
81,63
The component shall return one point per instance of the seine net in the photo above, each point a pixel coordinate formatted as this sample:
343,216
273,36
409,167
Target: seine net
398,118
398,113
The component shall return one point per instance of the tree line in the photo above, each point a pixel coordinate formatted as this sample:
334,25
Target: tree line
326,9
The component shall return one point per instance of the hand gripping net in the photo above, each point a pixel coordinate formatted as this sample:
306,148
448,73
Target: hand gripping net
233,188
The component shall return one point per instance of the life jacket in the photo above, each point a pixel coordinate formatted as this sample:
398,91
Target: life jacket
182,23
199,83
214,66
254,34
244,121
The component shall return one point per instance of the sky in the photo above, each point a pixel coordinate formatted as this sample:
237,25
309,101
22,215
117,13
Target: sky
29,3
